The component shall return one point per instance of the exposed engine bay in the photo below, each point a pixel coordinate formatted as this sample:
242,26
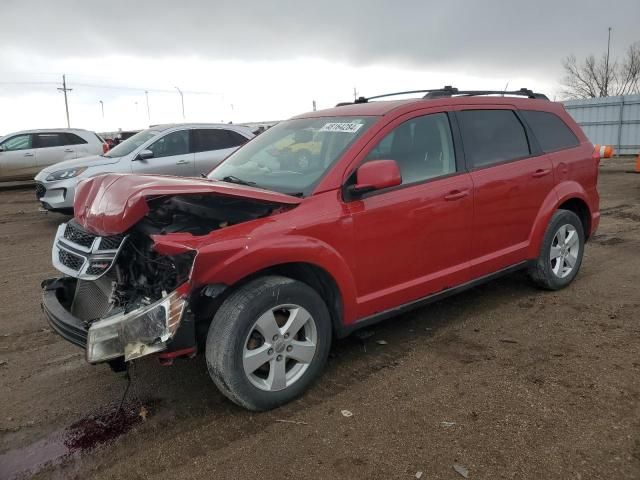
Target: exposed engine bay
123,291
138,275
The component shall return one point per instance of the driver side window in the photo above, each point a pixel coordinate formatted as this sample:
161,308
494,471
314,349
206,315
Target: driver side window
19,142
422,147
176,143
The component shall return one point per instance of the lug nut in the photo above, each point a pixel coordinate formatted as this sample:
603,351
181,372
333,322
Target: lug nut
270,351
286,335
289,348
275,337
279,357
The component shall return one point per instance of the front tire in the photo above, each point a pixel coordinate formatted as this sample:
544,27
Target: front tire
561,252
268,342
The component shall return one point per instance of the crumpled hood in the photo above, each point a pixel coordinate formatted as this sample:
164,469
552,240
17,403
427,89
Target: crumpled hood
91,161
112,203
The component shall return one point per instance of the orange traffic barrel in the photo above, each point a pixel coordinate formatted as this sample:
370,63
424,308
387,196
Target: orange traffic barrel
604,151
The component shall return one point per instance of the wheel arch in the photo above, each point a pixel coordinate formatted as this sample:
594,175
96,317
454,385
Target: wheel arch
313,275
578,206
568,196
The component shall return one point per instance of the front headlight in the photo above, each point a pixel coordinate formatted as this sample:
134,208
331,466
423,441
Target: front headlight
64,174
137,333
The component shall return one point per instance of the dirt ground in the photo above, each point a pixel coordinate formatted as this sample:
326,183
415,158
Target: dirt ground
505,381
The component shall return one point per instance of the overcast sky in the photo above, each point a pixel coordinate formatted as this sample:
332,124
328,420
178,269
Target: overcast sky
262,60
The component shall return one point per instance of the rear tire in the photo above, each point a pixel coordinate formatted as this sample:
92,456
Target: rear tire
268,342
561,252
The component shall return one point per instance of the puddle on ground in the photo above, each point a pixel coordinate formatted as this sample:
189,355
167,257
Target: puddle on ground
69,443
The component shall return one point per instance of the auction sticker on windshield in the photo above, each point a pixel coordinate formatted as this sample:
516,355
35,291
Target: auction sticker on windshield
346,127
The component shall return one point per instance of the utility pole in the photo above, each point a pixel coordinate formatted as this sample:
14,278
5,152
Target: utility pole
355,94
314,105
606,79
146,94
102,107
64,90
182,100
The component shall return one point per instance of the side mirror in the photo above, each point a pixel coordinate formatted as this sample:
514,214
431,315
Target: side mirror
3,148
144,155
376,175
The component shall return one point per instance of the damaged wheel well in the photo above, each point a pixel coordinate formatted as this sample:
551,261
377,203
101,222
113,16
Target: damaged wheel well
317,278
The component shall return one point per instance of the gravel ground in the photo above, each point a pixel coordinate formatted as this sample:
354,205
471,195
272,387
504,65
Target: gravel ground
503,381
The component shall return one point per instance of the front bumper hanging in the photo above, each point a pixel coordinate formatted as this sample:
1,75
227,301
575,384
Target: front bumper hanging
131,335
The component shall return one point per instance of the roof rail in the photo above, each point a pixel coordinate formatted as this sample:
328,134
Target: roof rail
449,91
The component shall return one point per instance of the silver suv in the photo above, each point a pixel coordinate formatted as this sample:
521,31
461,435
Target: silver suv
185,150
25,153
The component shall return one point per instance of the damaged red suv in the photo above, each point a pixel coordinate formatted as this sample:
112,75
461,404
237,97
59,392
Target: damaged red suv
323,224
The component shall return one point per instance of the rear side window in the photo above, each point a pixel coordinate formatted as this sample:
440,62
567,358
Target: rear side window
73,139
216,139
492,136
53,139
550,130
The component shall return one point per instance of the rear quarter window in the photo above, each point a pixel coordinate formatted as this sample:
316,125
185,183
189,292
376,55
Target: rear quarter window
73,139
550,130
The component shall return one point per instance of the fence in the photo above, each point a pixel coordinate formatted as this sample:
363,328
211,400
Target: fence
611,121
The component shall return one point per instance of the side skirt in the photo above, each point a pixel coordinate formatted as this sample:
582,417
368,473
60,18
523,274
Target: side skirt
345,330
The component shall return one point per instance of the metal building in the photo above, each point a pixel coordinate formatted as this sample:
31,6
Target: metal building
611,121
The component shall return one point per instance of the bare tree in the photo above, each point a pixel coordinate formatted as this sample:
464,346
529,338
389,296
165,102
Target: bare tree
594,78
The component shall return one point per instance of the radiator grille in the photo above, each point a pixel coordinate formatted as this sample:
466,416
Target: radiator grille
91,299
40,191
70,260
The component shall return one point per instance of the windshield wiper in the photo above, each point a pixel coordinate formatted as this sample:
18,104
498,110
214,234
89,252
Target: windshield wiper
239,181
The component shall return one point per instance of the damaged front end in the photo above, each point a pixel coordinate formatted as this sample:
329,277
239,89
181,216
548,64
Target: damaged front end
127,289
119,300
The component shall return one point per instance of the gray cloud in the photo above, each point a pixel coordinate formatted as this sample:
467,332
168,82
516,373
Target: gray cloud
473,36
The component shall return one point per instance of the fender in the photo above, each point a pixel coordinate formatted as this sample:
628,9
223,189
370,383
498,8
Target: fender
228,264
561,193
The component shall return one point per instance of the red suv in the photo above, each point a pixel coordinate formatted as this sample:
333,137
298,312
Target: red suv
390,205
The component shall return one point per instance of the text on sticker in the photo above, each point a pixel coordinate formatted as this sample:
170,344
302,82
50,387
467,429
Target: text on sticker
346,127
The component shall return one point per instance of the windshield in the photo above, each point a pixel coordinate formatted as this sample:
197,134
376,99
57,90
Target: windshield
131,143
292,156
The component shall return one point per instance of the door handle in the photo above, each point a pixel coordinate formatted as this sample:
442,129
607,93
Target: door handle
28,154
541,173
182,162
456,195
69,150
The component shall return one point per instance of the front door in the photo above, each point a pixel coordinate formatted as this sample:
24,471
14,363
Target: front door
172,155
413,240
511,179
18,158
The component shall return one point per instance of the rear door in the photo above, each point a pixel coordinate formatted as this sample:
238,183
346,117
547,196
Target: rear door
52,147
511,178
212,145
18,157
413,240
172,155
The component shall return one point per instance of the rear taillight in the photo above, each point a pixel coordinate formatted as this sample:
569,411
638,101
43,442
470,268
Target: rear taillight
105,147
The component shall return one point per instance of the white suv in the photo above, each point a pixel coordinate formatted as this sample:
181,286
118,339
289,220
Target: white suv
185,150
23,154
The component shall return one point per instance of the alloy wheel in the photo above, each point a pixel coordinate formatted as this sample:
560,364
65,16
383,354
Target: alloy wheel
279,347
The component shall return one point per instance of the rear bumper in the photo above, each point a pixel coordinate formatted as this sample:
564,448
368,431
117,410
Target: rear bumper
56,293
